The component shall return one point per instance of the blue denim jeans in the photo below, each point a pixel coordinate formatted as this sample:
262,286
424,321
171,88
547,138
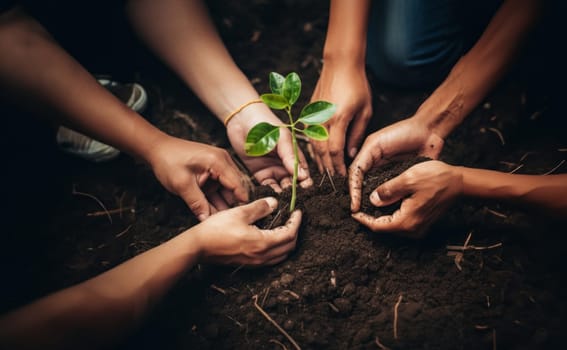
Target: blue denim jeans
415,43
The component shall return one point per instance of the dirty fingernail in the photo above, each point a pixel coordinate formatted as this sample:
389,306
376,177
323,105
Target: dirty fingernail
272,202
374,197
352,152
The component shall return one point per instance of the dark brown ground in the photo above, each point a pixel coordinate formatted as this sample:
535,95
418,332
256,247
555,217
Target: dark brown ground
340,287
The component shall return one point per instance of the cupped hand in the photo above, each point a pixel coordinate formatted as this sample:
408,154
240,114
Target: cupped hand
229,237
426,191
347,87
205,177
275,168
406,137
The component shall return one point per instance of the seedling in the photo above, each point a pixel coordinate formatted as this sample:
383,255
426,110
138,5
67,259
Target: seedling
263,137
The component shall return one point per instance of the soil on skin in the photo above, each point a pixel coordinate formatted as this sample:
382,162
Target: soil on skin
344,285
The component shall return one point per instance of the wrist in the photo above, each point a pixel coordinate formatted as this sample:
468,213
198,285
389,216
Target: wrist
345,58
152,146
441,116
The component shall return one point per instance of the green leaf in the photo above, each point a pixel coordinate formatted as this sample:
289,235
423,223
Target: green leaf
276,82
261,139
275,101
317,112
291,88
316,132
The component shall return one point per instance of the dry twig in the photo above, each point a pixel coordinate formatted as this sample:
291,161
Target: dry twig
500,136
380,345
496,213
75,192
123,232
218,289
555,168
265,314
396,316
516,169
278,342
331,179
111,211
473,247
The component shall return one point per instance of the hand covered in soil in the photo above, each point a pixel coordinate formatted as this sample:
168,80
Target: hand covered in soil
205,177
425,189
229,237
276,168
406,137
347,87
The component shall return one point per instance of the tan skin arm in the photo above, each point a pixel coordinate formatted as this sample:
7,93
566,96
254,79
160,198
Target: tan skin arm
344,57
183,35
478,71
39,75
427,189
546,192
100,311
468,82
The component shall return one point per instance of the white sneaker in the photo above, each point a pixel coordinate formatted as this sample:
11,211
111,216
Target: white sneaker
75,143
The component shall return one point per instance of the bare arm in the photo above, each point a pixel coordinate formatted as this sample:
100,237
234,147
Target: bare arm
96,313
478,71
548,192
427,189
343,81
39,75
183,35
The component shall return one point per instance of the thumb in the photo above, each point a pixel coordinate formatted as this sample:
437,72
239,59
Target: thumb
258,209
390,191
356,134
197,202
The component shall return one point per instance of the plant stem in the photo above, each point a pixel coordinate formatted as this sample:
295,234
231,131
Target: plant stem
295,161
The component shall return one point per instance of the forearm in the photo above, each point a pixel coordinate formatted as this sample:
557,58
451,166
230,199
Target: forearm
478,71
184,37
346,34
539,191
40,76
97,312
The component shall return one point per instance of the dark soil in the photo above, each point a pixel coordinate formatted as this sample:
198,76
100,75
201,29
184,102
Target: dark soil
341,286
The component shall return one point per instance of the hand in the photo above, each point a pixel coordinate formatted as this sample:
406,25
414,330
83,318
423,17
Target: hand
405,137
188,168
276,168
230,237
425,189
347,87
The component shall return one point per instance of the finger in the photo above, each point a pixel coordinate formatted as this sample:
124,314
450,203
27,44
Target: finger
217,202
360,165
273,184
337,147
303,177
285,182
357,131
391,191
386,223
231,178
322,151
287,233
228,197
197,202
258,209
276,260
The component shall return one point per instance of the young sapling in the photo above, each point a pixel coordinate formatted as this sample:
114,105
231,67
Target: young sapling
263,137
